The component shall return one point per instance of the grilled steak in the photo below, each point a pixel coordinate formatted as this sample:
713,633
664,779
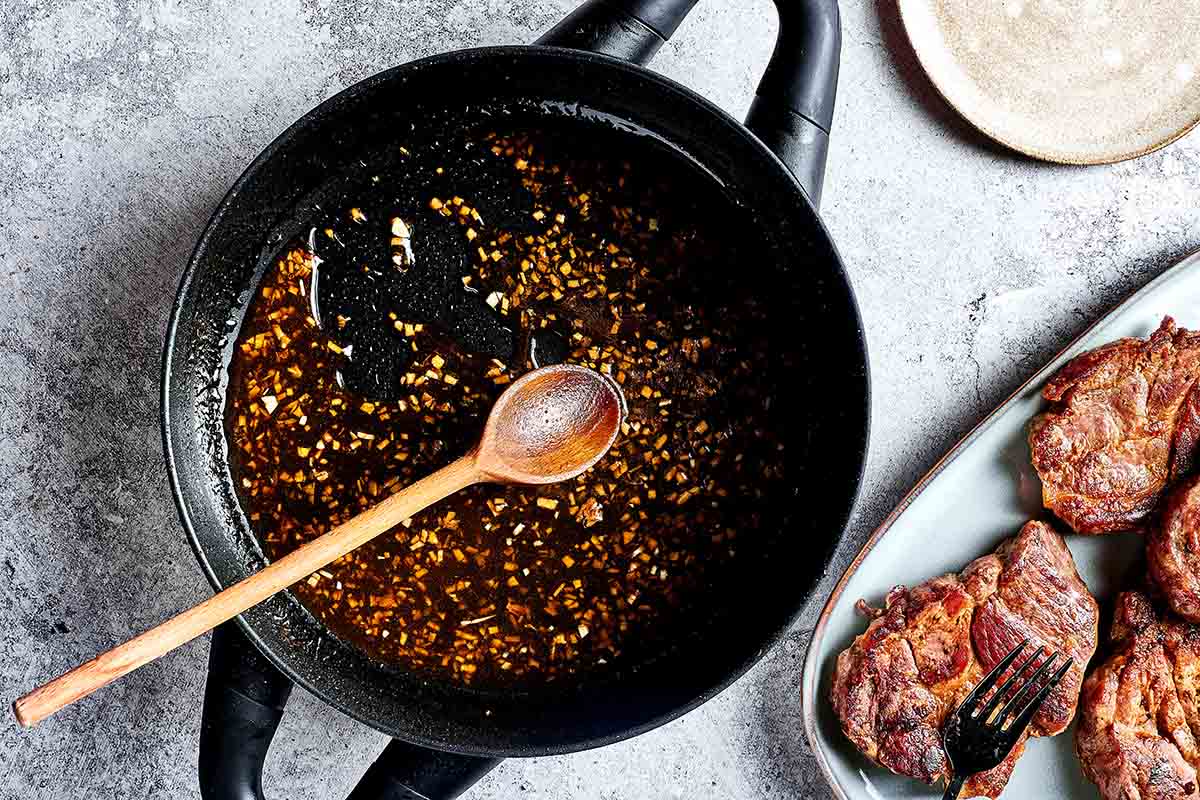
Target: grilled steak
930,645
1124,422
1138,716
1173,550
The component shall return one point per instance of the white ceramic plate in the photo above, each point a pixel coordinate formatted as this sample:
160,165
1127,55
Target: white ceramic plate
1074,81
980,493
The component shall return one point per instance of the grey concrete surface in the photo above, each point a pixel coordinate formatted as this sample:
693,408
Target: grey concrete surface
123,121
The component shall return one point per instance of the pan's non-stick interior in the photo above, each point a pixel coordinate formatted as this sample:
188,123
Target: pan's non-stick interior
518,172
819,392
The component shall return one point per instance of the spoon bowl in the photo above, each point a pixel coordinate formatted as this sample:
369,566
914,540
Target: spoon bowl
552,424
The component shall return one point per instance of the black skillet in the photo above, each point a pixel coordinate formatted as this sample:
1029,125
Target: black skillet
446,737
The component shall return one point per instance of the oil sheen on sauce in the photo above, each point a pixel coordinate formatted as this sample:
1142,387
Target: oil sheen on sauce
377,342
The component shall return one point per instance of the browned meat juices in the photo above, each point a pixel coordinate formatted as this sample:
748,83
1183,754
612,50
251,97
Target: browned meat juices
500,585
1124,422
930,645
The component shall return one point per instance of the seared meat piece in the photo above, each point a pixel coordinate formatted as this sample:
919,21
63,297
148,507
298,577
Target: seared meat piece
1138,716
1173,550
1124,422
925,651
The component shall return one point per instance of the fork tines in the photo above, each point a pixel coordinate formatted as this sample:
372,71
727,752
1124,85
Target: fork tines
983,730
1024,699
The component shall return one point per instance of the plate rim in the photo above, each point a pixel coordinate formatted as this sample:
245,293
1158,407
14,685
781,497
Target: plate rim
1026,149
811,671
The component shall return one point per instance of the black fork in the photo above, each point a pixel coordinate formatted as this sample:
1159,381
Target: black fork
977,737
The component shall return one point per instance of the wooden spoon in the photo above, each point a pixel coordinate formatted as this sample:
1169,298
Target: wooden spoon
550,425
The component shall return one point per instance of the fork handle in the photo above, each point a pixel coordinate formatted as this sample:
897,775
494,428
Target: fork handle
956,784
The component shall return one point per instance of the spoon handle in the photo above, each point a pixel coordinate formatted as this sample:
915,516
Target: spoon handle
297,565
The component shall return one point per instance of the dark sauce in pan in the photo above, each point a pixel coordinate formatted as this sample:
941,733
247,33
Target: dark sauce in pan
376,344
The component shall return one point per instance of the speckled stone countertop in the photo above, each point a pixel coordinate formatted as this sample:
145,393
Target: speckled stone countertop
122,122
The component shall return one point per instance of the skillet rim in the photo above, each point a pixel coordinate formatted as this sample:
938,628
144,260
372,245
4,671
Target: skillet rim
565,742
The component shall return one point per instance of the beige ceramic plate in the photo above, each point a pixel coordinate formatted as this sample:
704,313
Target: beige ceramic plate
1074,81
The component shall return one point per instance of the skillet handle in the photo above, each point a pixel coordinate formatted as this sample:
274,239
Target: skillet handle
407,772
243,704
631,30
792,112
